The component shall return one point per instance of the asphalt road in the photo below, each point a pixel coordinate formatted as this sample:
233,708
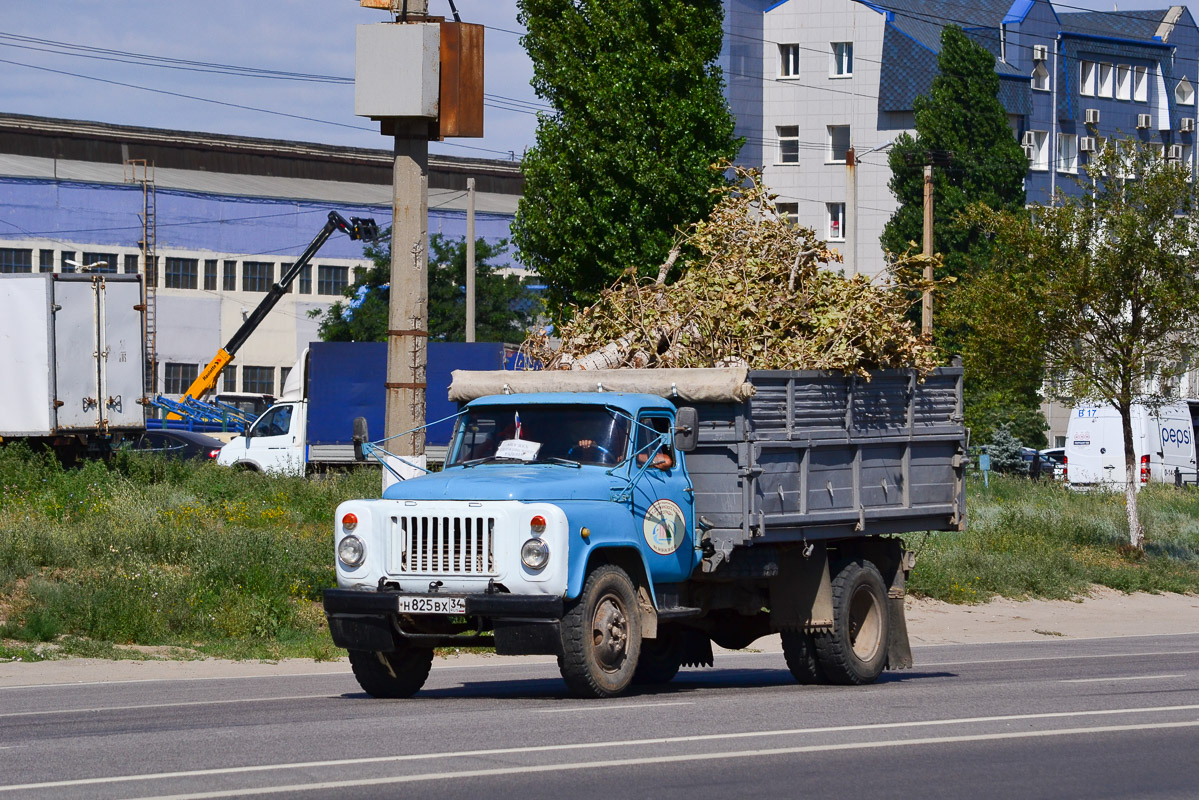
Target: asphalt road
1094,718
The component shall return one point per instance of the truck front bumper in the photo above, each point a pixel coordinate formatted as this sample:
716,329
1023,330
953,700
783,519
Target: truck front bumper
370,620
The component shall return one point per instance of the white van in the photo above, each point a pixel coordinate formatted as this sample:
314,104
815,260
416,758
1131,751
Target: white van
1163,440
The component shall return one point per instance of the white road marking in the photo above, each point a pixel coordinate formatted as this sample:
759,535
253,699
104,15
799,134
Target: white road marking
607,707
1123,678
169,705
709,737
922,665
669,759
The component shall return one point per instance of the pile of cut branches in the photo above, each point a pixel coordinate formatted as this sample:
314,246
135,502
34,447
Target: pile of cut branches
757,292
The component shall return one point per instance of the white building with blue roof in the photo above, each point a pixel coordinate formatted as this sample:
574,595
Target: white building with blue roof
821,88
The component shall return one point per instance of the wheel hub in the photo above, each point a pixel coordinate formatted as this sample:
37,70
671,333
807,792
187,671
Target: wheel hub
865,624
609,634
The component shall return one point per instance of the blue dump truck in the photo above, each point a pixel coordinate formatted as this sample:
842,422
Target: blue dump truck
624,520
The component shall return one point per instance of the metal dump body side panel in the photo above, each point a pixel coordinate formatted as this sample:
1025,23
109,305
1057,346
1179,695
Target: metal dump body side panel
817,455
26,354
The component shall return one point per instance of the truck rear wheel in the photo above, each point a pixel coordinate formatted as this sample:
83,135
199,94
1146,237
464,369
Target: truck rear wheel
855,652
799,649
660,658
601,635
395,675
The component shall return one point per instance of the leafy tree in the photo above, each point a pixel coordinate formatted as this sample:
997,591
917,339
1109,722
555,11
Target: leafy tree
1111,276
623,160
1001,409
962,129
505,308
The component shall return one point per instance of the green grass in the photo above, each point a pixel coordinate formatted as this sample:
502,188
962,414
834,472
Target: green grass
152,552
115,560
1026,539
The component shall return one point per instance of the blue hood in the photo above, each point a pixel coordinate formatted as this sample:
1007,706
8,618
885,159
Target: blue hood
531,482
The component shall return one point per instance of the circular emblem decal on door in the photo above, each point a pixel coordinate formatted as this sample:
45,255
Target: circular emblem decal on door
664,527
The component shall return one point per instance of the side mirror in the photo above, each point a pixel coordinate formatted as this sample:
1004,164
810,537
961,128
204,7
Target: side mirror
361,437
686,431
249,431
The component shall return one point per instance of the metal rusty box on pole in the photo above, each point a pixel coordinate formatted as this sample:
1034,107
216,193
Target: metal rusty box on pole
461,112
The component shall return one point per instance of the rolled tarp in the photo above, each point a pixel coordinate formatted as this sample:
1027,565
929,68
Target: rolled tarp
717,385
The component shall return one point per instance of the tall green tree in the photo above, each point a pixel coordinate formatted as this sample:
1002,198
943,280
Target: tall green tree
623,160
1111,276
962,130
505,307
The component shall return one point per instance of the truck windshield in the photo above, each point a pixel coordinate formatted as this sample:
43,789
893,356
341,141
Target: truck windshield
586,434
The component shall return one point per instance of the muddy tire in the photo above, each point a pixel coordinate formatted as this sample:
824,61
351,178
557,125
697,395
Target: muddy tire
855,652
601,635
799,649
394,675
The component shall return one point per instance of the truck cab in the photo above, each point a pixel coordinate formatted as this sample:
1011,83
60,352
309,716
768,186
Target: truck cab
274,443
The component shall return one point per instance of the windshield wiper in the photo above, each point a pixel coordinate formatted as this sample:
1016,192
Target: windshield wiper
474,462
566,462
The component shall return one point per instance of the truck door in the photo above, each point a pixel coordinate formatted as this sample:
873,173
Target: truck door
121,361
76,350
663,506
274,441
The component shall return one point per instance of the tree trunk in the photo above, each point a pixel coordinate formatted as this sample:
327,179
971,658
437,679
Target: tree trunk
1132,479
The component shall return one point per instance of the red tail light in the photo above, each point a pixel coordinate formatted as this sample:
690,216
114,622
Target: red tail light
1065,468
214,453
1144,469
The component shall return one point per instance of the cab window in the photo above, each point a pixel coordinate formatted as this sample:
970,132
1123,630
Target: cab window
649,428
276,422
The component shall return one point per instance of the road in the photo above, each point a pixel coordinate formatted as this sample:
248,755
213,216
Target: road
1097,718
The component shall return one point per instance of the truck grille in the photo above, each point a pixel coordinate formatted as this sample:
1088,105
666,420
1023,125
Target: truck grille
444,545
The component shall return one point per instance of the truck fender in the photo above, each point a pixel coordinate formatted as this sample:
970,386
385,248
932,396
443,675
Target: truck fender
632,561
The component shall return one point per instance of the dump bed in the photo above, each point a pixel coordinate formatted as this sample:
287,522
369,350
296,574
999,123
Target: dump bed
814,455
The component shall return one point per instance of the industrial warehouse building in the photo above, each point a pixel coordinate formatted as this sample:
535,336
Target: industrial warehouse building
223,217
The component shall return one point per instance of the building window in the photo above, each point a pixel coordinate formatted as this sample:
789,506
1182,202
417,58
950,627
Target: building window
838,143
306,279
331,280
1067,152
45,260
210,275
130,265
180,273
256,276
283,268
1040,152
66,261
1105,80
179,377
108,260
842,60
836,222
1184,95
283,373
152,271
788,144
1140,84
1123,82
258,380
788,212
1086,82
1040,77
229,379
12,260
788,61
1188,159
229,276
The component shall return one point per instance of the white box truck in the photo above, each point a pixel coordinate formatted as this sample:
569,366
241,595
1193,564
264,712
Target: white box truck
1163,440
72,357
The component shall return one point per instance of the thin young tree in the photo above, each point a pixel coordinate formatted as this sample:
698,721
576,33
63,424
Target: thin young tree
1111,275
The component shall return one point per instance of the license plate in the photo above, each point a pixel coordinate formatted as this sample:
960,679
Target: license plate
424,604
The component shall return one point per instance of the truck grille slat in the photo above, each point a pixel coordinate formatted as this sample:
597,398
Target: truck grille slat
444,545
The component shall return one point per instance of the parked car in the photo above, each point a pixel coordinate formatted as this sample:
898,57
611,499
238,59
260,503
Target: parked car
1055,456
175,444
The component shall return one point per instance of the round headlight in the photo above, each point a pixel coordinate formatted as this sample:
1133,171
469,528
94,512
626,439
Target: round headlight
535,554
351,551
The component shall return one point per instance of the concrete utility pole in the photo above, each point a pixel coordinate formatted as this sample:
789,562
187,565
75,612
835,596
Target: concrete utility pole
926,306
851,211
470,259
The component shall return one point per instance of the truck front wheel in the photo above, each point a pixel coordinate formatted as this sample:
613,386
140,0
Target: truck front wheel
396,675
601,635
855,652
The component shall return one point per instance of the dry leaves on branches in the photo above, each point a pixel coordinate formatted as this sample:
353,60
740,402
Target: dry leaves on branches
757,292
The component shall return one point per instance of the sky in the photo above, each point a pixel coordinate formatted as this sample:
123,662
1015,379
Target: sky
68,59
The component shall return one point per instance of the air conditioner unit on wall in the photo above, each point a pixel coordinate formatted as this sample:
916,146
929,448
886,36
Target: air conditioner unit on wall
1030,139
1030,152
1087,144
1175,152
1040,52
1144,121
1187,125
1092,116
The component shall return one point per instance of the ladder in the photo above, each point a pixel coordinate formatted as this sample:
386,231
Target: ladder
141,171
